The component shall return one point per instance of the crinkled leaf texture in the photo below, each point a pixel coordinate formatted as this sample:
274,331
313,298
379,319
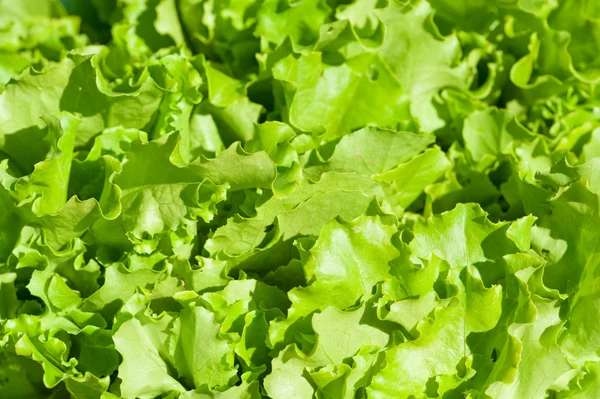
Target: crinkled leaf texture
332,199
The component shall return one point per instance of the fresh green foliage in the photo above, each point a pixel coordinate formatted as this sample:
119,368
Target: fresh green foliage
297,199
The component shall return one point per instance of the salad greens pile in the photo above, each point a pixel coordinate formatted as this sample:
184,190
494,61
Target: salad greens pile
299,198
